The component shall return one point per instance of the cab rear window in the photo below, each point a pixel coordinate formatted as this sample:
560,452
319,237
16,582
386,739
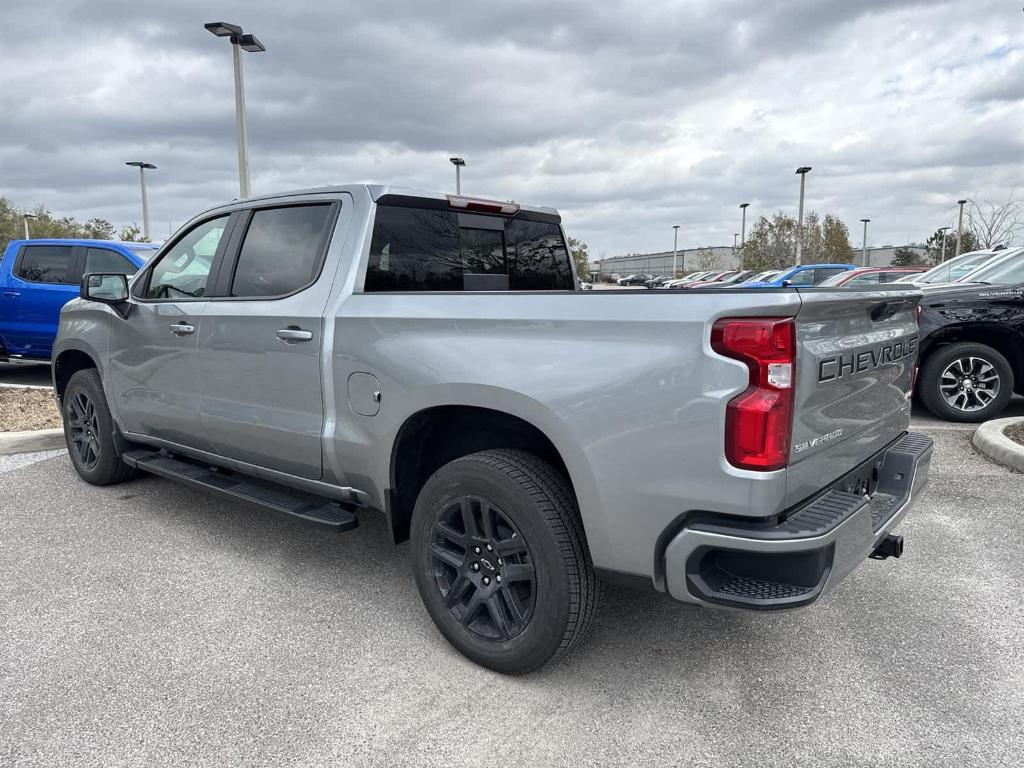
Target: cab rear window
422,249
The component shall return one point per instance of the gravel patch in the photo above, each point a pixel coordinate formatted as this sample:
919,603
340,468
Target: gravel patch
23,409
1015,433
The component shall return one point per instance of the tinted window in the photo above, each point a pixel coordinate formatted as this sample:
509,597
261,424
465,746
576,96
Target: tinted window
419,249
805,277
282,251
45,264
824,274
106,260
184,268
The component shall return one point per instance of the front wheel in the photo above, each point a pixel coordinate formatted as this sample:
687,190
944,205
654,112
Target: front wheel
501,561
966,382
89,431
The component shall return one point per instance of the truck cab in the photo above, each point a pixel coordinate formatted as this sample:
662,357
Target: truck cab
38,277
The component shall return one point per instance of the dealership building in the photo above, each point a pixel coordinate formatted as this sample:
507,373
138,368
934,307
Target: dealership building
717,257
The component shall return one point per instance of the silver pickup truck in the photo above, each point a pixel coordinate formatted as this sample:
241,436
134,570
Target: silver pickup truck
352,350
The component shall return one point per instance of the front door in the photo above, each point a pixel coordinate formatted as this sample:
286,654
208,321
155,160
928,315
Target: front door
261,339
154,381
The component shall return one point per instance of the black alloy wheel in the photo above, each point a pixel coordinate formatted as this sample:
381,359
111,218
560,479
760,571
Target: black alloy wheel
482,568
501,560
83,430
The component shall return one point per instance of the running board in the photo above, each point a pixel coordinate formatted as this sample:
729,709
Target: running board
248,490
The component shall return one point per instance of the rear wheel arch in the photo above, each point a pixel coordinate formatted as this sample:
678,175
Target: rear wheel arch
434,436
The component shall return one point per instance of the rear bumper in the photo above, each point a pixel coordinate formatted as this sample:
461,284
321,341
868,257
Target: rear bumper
743,564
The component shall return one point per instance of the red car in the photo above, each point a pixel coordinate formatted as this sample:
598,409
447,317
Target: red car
869,276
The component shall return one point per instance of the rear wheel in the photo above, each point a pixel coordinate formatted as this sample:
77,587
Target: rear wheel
500,560
966,382
89,431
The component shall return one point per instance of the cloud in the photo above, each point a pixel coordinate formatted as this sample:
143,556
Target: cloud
629,117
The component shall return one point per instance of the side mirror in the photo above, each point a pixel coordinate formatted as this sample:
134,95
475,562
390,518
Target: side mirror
106,288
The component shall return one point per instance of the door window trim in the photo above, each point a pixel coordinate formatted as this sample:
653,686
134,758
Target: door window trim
226,273
77,252
140,284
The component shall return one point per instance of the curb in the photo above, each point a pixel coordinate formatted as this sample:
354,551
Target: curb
31,441
990,441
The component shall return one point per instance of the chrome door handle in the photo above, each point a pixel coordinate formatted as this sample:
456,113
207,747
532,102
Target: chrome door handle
11,294
292,334
182,329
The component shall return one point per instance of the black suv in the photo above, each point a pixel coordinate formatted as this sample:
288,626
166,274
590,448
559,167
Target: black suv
972,342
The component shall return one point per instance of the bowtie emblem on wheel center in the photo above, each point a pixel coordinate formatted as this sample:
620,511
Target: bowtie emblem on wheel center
485,563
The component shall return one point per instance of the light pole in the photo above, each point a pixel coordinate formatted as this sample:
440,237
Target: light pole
25,217
239,42
743,226
942,232
145,201
458,162
960,225
675,250
864,245
802,172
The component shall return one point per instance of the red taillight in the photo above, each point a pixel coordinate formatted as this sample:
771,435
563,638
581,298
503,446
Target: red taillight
759,420
483,205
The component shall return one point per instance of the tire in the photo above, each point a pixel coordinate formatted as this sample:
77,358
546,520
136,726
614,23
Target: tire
524,509
975,367
90,432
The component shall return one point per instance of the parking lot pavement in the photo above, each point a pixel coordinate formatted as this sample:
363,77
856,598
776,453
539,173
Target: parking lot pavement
148,624
25,373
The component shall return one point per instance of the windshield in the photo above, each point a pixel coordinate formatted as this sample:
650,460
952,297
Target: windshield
954,269
762,277
1008,270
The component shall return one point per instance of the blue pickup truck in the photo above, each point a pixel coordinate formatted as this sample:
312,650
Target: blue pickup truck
804,276
38,277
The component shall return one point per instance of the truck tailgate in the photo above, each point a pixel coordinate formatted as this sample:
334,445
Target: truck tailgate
856,353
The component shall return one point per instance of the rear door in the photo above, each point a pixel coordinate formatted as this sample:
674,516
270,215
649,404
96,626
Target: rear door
261,340
42,281
856,352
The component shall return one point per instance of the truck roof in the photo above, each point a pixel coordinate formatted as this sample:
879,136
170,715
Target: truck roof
376,191
84,241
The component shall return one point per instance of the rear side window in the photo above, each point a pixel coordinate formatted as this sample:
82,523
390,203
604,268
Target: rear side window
45,264
420,249
804,277
824,274
107,261
282,251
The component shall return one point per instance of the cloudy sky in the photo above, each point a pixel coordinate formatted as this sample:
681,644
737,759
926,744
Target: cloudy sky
629,117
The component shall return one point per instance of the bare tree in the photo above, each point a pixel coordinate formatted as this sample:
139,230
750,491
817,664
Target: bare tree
996,223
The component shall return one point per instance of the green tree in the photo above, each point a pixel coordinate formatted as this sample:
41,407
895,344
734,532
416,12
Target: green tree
968,242
580,257
771,243
835,242
908,257
45,224
131,233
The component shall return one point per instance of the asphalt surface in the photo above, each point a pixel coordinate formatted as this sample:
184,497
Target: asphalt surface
25,373
148,624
